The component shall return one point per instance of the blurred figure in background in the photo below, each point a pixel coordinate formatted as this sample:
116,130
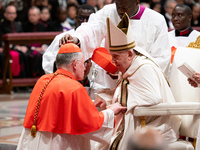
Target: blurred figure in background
22,8
195,15
146,138
62,3
145,4
156,6
180,1
93,3
71,15
33,25
102,3
8,24
106,2
1,10
35,50
45,17
41,3
72,1
169,6
60,24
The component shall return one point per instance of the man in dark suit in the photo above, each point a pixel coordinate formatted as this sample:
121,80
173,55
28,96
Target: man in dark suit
33,25
36,50
9,25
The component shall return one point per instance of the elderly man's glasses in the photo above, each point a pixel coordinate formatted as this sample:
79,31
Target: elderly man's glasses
87,62
11,13
82,18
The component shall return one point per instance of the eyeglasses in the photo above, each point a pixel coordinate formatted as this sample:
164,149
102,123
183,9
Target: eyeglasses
87,62
11,13
82,18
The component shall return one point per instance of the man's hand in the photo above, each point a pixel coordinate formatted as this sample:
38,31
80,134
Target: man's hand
192,82
117,108
99,102
23,49
196,76
113,76
196,80
68,39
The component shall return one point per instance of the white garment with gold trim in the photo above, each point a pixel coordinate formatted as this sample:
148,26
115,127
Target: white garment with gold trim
147,86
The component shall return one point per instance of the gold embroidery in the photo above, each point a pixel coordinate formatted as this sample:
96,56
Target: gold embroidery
116,142
124,92
122,47
195,44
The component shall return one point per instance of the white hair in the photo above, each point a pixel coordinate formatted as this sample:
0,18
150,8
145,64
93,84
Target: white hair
65,59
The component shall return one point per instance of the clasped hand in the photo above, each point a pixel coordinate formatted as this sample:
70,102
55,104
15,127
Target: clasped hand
116,107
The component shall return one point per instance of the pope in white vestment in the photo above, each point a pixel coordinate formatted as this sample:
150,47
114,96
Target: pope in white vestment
142,84
147,86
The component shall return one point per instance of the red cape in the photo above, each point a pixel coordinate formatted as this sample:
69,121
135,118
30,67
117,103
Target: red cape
65,107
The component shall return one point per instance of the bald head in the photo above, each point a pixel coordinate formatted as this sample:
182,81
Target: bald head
146,139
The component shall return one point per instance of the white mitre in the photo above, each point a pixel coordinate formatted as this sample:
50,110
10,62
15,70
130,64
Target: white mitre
121,37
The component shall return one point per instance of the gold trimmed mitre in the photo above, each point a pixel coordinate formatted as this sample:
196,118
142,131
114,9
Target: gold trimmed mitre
120,37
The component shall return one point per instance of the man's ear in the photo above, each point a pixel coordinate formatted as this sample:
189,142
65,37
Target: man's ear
130,53
74,64
190,18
